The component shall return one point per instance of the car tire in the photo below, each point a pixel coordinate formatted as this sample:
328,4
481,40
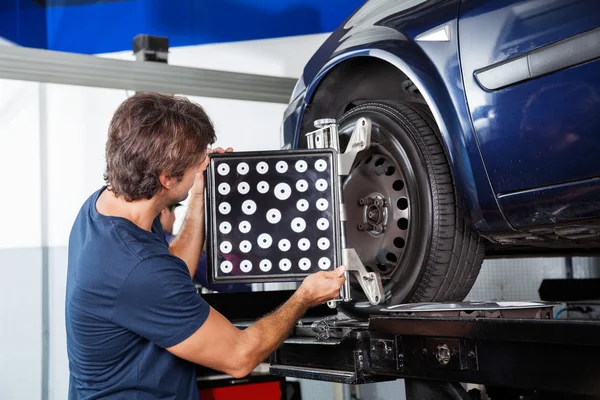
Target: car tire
427,251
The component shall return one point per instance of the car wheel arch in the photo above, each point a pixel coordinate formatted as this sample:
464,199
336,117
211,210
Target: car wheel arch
318,105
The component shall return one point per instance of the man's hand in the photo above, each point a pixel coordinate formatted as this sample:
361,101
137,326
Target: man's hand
199,184
321,287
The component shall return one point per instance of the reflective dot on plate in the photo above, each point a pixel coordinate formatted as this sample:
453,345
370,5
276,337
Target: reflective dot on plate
243,188
322,204
225,247
323,224
262,187
226,267
245,246
298,225
320,165
281,167
264,240
324,263
225,227
262,167
304,264
243,168
321,184
246,266
301,185
245,226
273,215
284,245
223,169
285,264
265,265
323,243
304,244
224,188
248,207
301,166
282,191
302,205
224,208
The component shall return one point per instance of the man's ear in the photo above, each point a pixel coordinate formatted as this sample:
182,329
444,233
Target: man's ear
165,181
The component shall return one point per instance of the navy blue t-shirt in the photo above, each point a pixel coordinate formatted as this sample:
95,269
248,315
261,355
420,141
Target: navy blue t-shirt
128,299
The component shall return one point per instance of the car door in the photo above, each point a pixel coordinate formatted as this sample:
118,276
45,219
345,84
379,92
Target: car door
531,75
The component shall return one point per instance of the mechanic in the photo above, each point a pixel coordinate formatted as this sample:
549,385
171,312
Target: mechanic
135,324
167,221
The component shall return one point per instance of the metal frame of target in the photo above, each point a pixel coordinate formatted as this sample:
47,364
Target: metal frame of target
273,216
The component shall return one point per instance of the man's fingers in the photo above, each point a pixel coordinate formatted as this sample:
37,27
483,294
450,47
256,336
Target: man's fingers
337,272
220,150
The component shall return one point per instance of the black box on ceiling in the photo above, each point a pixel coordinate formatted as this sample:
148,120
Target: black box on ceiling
151,48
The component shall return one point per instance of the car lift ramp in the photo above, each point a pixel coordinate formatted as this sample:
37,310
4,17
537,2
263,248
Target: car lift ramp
518,348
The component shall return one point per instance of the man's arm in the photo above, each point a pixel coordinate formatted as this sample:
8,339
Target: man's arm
219,345
188,244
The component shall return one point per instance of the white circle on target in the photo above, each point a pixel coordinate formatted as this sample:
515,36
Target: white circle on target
243,168
322,204
224,188
285,264
283,191
321,184
284,245
304,264
265,240
225,227
301,185
273,215
223,169
262,167
323,243
302,205
245,246
225,247
320,165
324,263
265,265
245,226
323,224
243,188
304,244
298,225
301,166
249,207
226,267
224,208
262,187
281,167
246,266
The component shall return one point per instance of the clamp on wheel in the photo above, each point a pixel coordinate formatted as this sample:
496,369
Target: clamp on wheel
326,135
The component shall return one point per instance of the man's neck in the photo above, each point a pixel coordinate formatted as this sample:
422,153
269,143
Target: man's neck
140,212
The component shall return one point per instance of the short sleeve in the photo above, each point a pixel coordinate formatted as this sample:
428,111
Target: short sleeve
159,302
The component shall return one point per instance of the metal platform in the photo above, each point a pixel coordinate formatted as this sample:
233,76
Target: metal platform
517,346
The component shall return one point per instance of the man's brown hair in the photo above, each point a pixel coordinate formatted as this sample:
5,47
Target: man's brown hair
152,133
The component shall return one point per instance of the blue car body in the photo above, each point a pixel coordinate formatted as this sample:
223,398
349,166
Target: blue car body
514,87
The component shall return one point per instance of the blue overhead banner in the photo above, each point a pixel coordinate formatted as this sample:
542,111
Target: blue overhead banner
96,26
23,22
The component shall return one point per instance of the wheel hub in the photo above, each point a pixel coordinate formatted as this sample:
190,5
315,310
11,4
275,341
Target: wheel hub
375,214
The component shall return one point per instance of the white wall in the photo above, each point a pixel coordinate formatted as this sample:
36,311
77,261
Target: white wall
20,242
